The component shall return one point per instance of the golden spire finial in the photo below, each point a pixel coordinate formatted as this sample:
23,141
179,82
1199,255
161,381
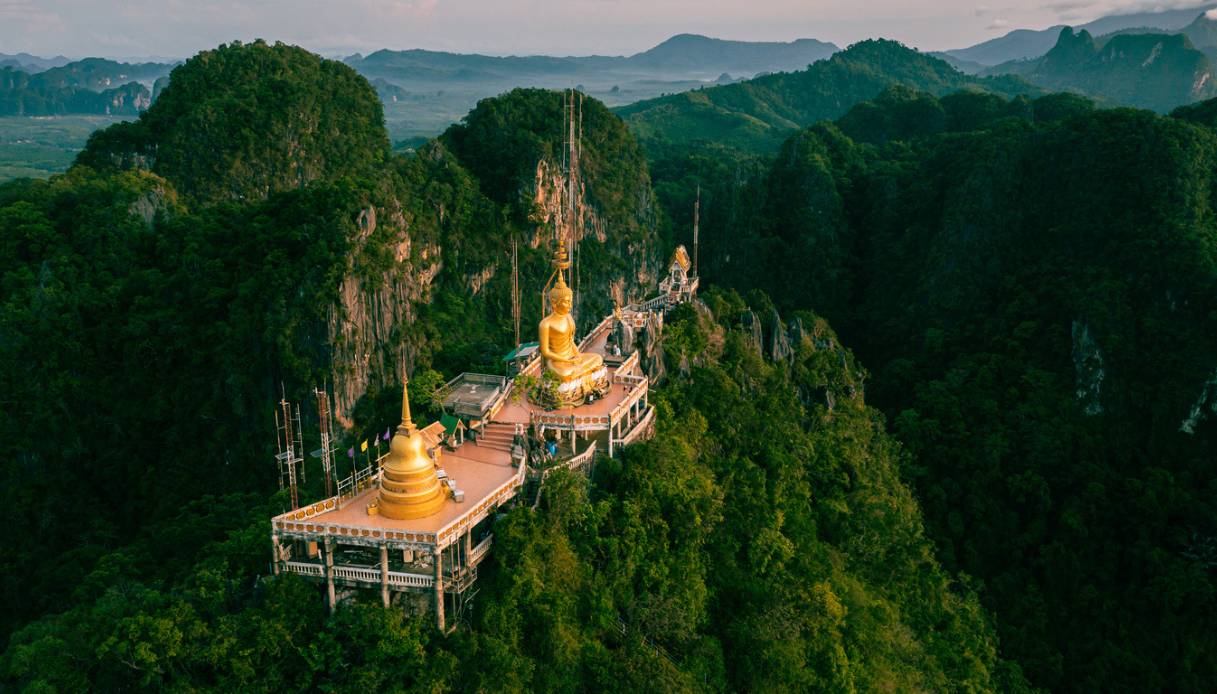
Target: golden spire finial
406,422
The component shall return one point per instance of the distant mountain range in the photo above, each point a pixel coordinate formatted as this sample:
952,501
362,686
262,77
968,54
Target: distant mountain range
89,86
31,63
682,57
1154,70
760,113
1022,44
425,91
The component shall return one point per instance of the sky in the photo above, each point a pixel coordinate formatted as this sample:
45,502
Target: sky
180,28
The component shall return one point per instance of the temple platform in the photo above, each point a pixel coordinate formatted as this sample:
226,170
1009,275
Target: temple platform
338,542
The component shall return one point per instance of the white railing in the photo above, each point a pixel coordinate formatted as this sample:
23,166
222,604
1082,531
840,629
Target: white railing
357,573
639,428
304,568
650,304
572,462
405,580
567,422
639,390
480,550
582,458
591,336
361,480
629,379
627,365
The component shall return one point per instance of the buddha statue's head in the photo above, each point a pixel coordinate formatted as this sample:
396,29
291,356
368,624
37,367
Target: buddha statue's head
560,296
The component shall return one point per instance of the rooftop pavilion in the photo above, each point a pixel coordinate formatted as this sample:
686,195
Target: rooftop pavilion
472,395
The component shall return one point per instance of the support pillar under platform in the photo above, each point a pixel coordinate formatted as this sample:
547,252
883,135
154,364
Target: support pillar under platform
329,575
384,574
439,590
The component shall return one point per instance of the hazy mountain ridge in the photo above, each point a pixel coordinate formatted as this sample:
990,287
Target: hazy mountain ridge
89,86
1031,282
31,63
760,113
99,74
1022,44
683,56
22,94
1154,71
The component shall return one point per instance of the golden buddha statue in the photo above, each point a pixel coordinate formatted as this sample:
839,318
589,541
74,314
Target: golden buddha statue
409,485
579,373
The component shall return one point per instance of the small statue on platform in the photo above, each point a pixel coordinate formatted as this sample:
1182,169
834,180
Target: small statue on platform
579,374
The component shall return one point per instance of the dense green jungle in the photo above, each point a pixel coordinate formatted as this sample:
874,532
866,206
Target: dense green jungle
944,418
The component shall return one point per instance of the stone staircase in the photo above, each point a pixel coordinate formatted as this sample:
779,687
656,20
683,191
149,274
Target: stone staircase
498,435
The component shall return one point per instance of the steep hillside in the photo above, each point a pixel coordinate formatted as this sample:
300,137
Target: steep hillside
252,230
1033,286
762,541
760,113
243,122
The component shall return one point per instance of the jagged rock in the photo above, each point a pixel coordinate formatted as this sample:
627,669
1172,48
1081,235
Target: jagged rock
779,345
1207,400
623,336
366,324
652,350
796,332
149,204
752,325
1088,363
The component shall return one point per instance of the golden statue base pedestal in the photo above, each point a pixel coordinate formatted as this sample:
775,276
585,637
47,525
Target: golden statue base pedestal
576,392
552,393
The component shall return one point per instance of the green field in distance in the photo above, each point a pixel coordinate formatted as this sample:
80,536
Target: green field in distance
38,146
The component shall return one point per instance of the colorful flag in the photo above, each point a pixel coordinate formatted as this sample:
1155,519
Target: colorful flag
363,447
351,452
386,436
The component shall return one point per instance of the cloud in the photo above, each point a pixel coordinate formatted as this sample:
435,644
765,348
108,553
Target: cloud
1067,10
26,12
997,24
982,10
1067,6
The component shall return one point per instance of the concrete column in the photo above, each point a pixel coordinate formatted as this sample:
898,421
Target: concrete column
384,574
469,546
276,554
439,590
329,573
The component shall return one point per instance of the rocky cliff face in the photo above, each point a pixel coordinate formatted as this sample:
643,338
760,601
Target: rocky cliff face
444,233
609,268
367,326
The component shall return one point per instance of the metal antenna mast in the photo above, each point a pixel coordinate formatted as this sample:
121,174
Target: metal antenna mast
515,288
327,440
290,446
577,203
696,217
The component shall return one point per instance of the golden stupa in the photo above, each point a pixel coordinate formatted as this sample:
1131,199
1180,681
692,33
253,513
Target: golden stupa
409,485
